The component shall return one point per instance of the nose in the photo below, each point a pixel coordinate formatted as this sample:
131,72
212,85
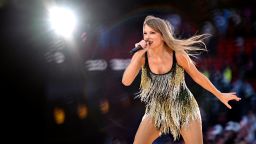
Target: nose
146,38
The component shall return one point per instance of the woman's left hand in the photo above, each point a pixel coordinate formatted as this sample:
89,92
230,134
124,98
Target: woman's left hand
226,97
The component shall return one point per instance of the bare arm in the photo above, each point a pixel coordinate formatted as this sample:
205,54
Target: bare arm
184,60
133,68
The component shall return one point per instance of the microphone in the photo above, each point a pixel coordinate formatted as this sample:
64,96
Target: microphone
134,50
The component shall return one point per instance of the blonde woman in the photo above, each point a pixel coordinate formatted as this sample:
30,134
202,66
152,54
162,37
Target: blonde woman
170,106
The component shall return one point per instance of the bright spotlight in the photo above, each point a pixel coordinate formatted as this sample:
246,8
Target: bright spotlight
62,21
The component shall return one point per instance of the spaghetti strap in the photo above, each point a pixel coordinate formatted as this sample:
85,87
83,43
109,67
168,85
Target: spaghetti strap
147,65
146,60
174,58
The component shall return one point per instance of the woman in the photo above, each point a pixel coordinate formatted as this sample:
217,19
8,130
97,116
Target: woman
170,106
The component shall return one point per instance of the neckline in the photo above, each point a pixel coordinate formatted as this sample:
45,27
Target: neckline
173,64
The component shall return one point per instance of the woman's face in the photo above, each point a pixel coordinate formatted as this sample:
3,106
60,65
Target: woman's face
154,38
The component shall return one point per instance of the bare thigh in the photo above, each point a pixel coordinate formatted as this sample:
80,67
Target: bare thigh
146,132
192,134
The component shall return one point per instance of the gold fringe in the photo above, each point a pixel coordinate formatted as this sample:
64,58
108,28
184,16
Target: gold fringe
168,100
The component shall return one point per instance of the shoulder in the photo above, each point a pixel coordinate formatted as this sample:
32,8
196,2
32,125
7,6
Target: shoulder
182,57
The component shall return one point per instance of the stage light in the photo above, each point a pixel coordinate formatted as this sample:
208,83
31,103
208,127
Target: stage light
62,20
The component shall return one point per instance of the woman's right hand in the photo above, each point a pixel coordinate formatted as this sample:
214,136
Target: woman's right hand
144,44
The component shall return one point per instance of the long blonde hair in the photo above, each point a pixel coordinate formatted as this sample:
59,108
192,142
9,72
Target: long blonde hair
194,43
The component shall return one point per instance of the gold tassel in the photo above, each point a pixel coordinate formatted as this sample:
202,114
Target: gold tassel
168,100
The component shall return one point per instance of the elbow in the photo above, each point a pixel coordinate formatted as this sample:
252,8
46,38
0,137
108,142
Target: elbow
199,78
125,82
198,81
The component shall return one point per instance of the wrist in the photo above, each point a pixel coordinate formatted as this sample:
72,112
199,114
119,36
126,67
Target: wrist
218,94
140,53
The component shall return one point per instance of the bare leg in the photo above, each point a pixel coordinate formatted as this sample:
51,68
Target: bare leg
192,134
146,132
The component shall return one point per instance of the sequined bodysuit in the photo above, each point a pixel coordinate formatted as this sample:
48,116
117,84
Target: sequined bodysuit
168,100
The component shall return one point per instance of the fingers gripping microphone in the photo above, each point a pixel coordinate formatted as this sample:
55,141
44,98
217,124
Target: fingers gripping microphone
134,50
